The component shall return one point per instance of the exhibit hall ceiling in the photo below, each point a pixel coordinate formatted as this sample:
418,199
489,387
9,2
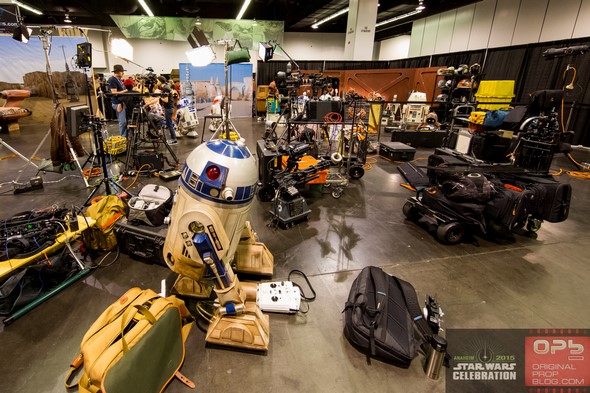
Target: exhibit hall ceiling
298,15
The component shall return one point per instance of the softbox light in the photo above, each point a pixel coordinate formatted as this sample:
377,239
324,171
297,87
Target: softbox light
265,51
197,38
22,33
201,56
122,49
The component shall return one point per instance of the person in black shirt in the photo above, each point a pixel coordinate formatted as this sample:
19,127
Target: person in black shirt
167,103
116,88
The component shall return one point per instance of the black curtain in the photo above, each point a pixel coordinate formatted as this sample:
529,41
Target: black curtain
524,64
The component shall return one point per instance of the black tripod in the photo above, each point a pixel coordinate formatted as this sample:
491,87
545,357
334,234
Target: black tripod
138,134
95,125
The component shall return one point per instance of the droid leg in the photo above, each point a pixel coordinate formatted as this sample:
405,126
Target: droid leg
236,323
252,257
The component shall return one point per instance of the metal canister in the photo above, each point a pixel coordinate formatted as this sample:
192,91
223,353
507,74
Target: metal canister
436,356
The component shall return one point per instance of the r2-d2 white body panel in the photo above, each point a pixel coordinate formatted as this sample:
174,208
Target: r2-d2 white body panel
187,118
216,189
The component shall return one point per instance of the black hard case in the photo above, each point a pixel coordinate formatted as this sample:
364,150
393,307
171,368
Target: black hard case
396,151
141,241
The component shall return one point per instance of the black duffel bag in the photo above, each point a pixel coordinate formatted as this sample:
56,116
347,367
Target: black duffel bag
380,316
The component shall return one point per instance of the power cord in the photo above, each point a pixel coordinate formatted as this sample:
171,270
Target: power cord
306,299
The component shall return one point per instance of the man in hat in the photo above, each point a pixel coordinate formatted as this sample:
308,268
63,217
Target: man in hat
167,103
117,88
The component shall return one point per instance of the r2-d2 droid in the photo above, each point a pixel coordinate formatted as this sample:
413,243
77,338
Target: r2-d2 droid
209,233
187,118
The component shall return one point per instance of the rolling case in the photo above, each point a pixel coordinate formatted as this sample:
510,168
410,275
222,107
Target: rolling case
551,198
419,138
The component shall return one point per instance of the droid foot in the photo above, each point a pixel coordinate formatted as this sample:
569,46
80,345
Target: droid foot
249,330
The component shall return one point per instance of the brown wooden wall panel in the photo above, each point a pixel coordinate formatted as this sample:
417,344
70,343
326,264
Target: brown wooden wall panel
386,82
424,81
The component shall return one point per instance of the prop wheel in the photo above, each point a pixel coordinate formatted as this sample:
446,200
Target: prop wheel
336,193
533,225
356,172
410,211
266,194
451,233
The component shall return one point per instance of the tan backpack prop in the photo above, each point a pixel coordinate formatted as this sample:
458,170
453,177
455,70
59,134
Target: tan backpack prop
106,212
136,345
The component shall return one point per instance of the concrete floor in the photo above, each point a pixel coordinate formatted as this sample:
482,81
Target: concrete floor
516,283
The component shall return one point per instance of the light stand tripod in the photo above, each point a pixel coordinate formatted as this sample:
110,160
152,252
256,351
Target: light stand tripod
137,135
46,45
95,125
226,126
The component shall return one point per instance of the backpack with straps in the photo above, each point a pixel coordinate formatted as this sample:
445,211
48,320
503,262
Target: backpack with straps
106,211
383,319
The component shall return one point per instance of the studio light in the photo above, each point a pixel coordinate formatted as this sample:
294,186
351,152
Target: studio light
265,51
201,56
146,8
22,33
27,7
122,49
337,14
243,9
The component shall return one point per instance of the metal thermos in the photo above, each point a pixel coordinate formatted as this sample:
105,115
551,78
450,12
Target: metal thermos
436,356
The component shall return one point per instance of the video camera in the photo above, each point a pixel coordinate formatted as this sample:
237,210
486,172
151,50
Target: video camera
288,83
149,78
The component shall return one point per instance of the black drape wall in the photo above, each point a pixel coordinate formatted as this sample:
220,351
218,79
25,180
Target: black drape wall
525,64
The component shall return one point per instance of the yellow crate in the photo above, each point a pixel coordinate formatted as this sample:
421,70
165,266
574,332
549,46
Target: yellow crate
115,145
490,102
477,117
502,88
117,150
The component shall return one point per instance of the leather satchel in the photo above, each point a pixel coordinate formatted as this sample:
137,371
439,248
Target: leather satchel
135,345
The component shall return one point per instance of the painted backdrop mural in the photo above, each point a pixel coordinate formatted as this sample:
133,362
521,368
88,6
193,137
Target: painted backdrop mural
23,65
203,84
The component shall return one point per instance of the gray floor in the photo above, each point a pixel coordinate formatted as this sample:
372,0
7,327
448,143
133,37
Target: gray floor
522,282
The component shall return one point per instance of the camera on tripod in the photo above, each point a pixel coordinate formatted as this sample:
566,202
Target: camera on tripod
288,83
149,78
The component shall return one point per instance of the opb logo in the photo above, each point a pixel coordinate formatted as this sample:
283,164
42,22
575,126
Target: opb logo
554,346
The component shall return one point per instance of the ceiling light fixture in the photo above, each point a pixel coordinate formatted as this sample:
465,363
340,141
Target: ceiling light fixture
198,22
337,14
27,7
421,5
146,8
67,19
396,18
243,9
254,22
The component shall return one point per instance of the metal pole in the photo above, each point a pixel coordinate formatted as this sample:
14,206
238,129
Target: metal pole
19,313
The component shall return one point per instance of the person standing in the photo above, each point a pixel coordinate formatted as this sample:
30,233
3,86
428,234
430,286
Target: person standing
117,88
167,102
